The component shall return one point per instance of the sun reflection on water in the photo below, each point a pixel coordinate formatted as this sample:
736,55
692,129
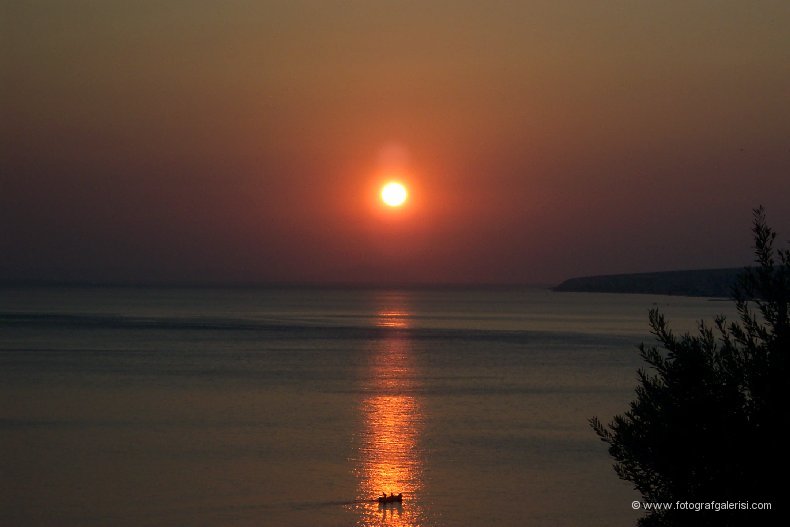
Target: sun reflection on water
389,457
392,318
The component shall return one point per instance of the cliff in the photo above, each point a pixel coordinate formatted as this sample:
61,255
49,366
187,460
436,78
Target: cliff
703,282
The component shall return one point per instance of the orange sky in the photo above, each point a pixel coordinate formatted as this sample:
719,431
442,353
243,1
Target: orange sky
245,140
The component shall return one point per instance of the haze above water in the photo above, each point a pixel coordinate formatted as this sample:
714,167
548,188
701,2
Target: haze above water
294,406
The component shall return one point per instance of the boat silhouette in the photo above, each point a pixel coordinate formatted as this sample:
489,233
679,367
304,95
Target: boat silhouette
390,499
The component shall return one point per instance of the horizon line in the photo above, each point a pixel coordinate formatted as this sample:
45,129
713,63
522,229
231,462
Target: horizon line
295,284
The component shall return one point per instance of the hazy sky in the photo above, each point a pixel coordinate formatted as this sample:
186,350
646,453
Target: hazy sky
245,140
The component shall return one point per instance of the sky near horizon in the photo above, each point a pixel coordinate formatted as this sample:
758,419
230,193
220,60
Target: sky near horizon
246,140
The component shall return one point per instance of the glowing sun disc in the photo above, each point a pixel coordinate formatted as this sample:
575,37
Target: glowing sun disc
394,194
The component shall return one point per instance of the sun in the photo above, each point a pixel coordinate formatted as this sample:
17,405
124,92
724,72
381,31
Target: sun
394,194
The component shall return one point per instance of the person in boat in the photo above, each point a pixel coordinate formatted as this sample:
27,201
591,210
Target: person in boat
384,495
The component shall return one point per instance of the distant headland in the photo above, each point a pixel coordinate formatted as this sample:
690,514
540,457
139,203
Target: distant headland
701,282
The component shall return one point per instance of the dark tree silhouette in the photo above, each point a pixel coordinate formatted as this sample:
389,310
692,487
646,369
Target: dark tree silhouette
709,421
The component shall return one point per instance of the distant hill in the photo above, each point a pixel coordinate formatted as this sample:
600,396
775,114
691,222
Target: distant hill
703,282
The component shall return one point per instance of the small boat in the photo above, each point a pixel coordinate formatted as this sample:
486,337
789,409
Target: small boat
390,499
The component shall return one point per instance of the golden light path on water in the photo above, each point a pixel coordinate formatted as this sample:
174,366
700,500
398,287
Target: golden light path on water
389,457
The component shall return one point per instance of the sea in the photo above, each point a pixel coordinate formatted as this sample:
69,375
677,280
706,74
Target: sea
165,406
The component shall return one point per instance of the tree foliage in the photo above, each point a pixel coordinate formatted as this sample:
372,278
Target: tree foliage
710,415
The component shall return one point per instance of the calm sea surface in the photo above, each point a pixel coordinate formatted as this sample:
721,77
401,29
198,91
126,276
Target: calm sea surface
296,407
